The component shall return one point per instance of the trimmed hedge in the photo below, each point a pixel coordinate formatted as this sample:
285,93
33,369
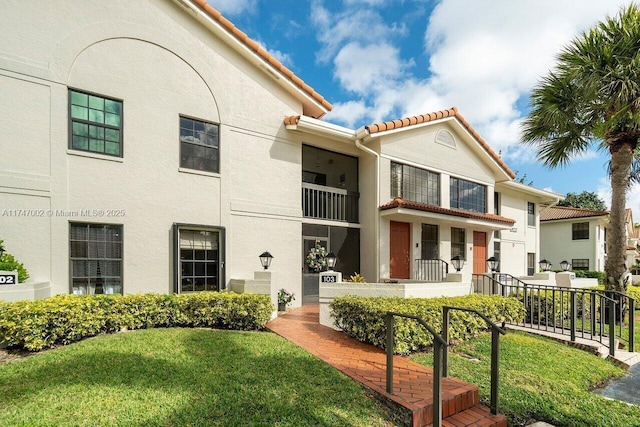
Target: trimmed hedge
35,325
363,318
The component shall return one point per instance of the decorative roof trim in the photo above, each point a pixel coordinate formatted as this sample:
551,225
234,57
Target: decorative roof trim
262,53
398,202
424,118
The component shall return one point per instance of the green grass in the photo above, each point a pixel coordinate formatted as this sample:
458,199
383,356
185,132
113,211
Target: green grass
181,377
541,379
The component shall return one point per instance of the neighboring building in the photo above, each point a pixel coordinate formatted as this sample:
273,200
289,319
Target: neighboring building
150,146
579,236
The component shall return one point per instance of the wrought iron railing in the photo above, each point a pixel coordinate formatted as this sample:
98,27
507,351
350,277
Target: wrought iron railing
495,350
431,270
334,204
438,355
441,356
579,313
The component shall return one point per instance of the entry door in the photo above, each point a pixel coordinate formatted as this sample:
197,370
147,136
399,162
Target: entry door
311,277
399,246
479,252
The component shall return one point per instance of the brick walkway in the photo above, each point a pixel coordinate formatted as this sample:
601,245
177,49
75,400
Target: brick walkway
412,400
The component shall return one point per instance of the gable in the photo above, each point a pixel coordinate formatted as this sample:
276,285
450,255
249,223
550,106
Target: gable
441,146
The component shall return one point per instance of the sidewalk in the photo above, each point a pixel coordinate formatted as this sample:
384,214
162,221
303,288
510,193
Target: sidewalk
412,401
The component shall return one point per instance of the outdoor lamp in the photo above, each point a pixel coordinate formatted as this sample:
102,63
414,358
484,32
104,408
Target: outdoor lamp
493,264
265,259
564,265
544,265
331,260
457,262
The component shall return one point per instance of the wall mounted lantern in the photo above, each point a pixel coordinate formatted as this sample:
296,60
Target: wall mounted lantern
457,262
265,259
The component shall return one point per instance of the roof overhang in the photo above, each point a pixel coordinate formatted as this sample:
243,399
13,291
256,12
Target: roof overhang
543,196
313,104
401,208
321,128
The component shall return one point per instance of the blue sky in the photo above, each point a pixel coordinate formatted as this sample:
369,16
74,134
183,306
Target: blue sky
377,60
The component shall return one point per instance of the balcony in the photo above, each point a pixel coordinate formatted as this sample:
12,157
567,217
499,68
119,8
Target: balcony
328,203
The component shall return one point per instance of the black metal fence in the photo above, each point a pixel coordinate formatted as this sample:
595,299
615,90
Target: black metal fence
590,314
431,270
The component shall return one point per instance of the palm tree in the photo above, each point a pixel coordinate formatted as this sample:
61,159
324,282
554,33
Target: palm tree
592,97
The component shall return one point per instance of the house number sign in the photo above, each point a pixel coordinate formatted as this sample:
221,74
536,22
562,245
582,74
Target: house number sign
8,278
329,278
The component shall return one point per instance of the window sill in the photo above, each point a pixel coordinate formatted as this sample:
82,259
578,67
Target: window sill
199,172
94,155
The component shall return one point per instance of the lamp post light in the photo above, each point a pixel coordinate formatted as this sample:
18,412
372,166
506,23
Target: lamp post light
331,261
493,264
544,265
265,259
564,265
457,262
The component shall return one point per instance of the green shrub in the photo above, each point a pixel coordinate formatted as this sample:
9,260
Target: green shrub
9,263
363,318
581,274
35,325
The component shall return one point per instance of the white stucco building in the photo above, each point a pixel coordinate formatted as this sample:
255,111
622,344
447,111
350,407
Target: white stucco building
150,146
579,236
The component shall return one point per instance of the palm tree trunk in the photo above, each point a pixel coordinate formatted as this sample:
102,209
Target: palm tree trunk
615,267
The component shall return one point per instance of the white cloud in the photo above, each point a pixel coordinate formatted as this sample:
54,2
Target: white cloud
354,24
358,67
348,113
484,57
234,7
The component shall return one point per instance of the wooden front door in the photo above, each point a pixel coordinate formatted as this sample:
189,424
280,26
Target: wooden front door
399,246
479,252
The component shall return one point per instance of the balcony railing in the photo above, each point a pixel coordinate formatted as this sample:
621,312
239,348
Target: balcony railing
333,204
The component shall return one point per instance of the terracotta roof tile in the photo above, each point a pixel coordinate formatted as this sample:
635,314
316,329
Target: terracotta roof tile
291,120
452,112
400,203
254,46
551,213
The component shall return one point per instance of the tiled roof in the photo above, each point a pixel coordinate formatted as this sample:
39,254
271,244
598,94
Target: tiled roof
423,118
400,203
255,47
551,213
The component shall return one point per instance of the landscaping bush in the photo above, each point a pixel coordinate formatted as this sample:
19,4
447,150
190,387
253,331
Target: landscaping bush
9,263
590,275
363,318
35,325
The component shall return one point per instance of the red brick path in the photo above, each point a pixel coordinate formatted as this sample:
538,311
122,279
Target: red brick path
412,400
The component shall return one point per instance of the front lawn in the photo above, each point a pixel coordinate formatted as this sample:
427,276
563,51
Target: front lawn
541,379
181,377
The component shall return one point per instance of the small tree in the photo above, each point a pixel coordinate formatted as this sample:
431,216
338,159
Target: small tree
9,263
591,98
584,200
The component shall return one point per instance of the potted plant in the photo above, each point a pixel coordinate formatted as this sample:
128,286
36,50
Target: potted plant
284,298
